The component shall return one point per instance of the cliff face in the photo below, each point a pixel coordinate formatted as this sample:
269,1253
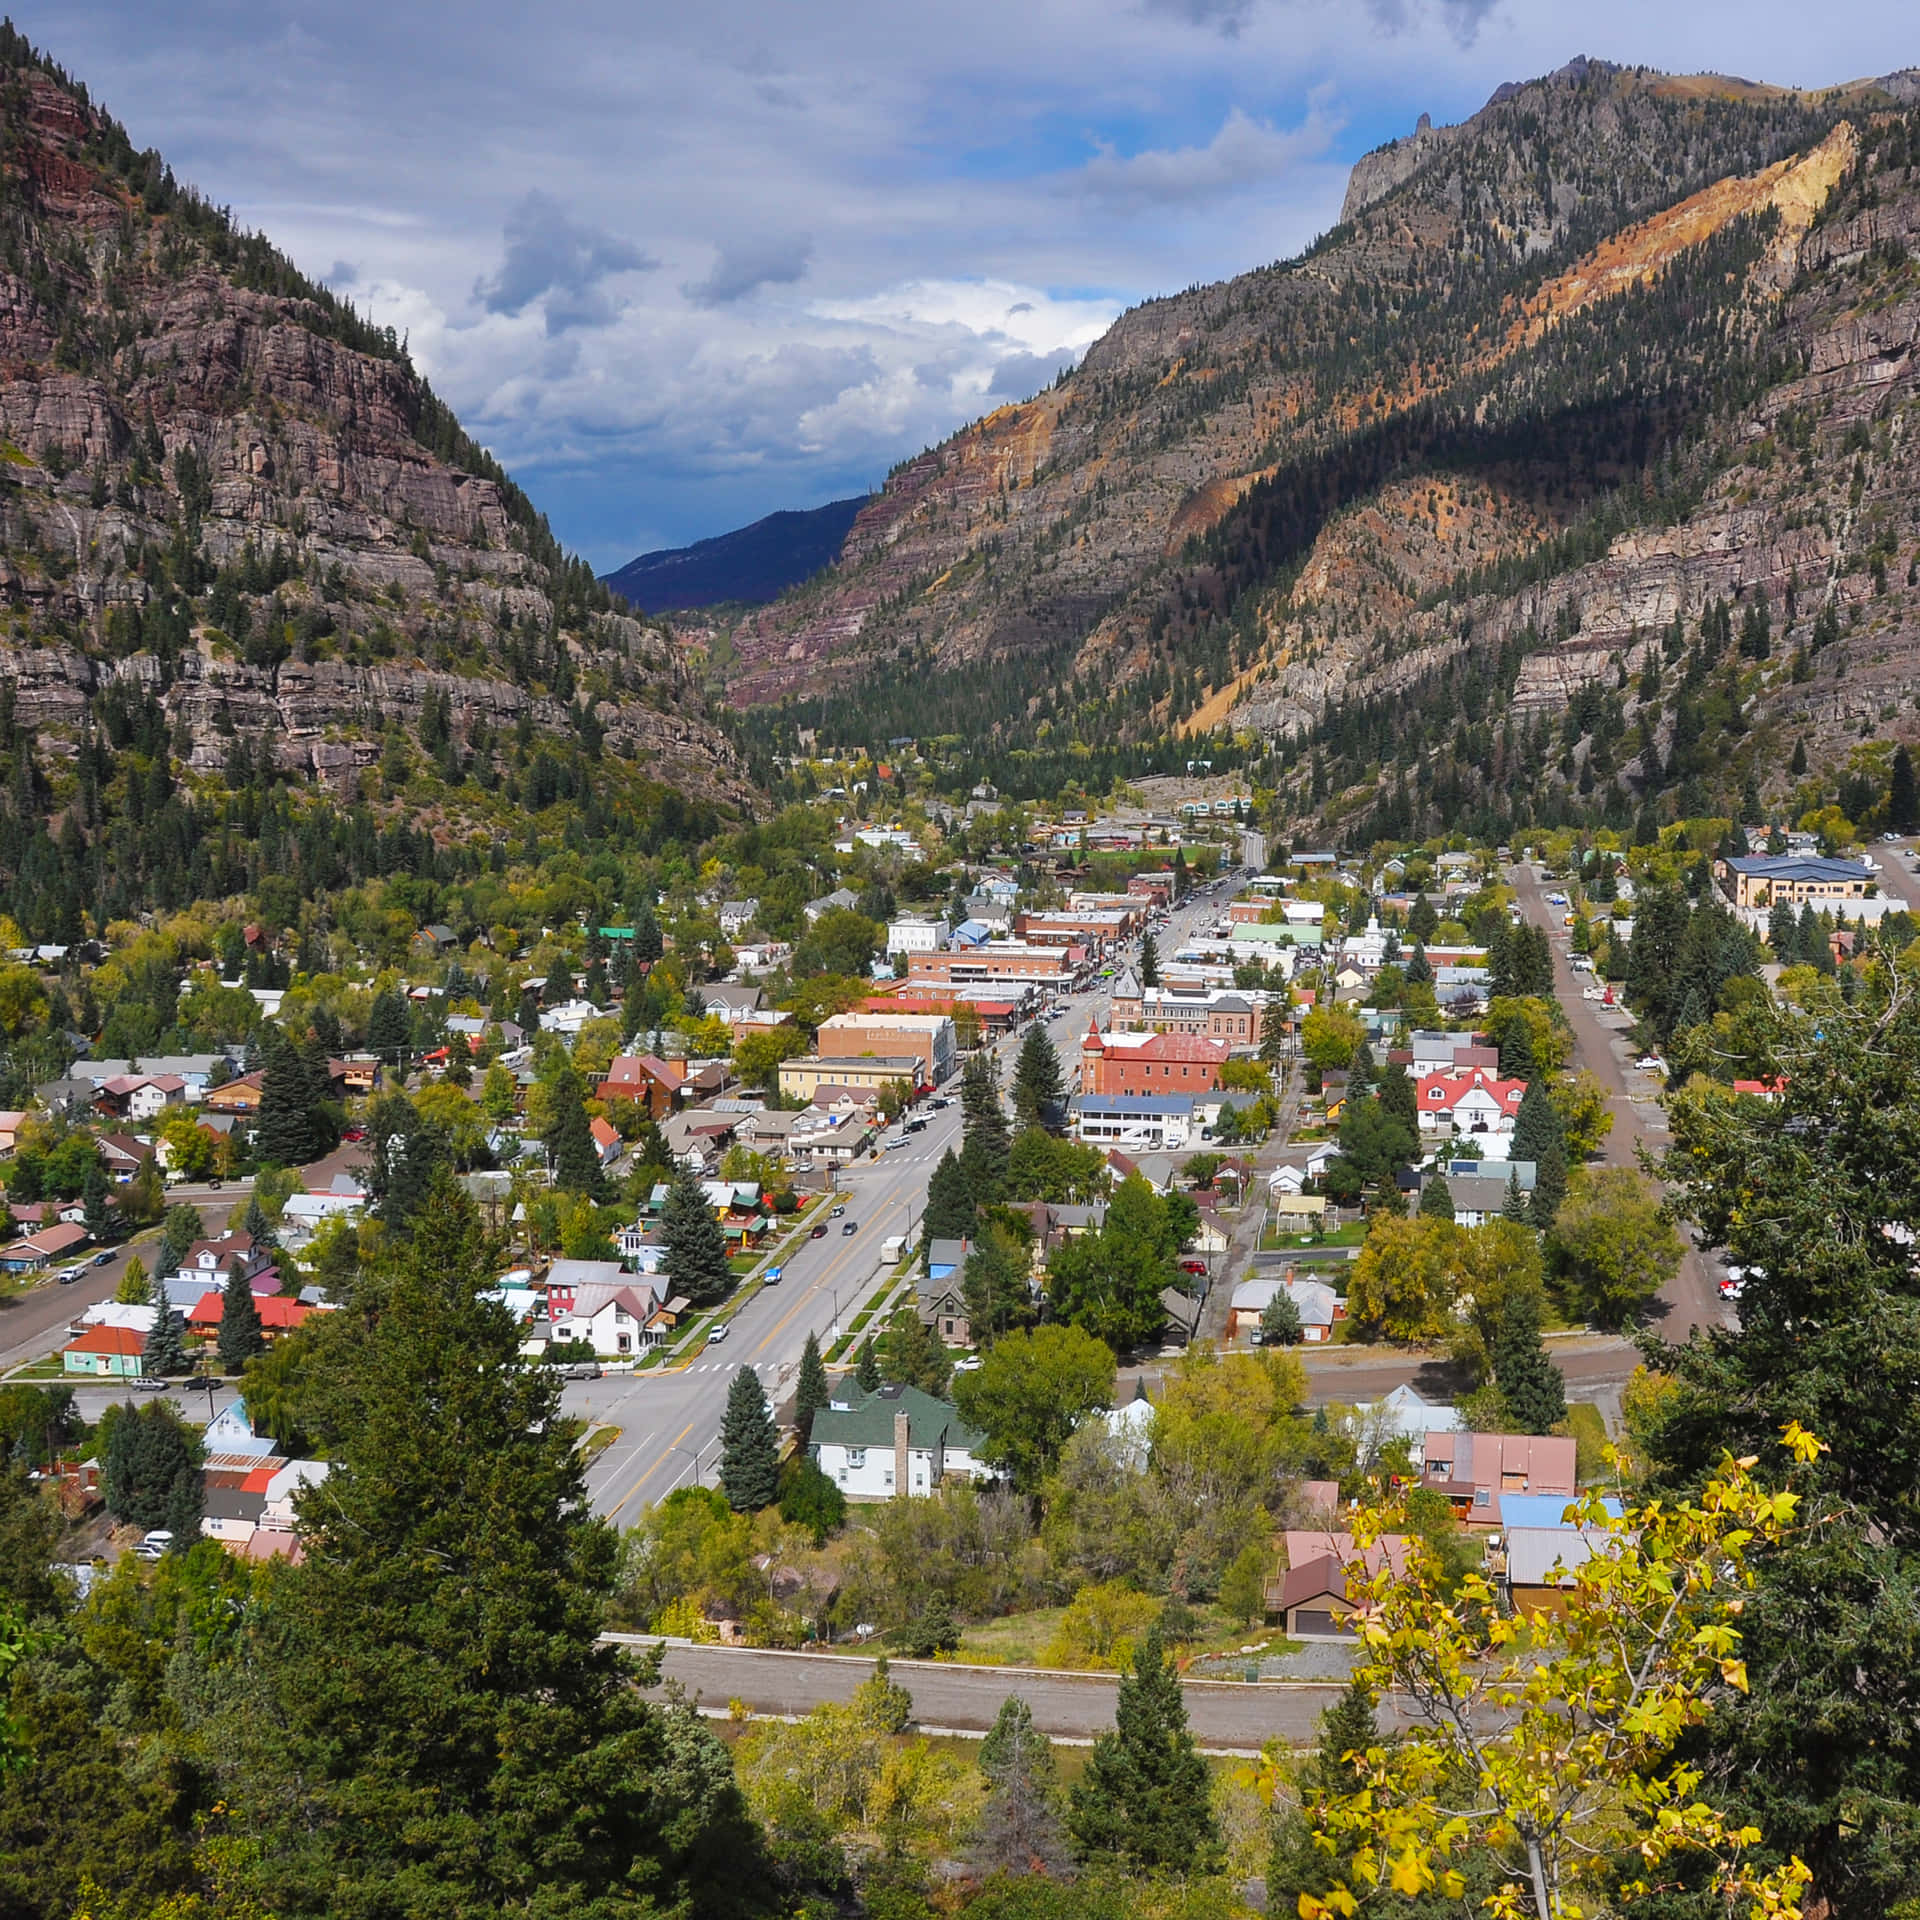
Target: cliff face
1562,325
220,485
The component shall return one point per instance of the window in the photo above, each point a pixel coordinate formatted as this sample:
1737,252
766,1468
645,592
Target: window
856,1458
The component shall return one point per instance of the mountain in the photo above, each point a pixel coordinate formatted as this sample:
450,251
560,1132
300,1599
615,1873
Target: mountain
1623,349
752,564
241,536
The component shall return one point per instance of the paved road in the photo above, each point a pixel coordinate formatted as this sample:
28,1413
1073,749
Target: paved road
1599,1043
35,1322
1225,1715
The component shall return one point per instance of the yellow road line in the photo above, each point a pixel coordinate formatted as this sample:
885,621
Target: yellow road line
655,1468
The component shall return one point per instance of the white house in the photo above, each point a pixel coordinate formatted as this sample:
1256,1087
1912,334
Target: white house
306,1213
569,1017
914,933
616,1321
894,1440
1139,1122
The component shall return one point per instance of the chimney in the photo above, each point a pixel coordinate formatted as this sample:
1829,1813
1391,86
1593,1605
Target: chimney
902,1434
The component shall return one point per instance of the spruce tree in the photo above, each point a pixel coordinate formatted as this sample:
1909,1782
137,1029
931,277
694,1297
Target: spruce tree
283,1128
136,1285
432,1667
183,1226
1532,1388
951,1213
1149,962
695,1260
985,1146
811,1391
576,1161
1903,797
389,1030
1348,1727
749,1446
255,1224
866,1372
241,1335
1037,1082
1538,1136
1516,1205
1019,1829
165,1353
151,1473
1436,1198
98,1215
1145,1797
1516,1051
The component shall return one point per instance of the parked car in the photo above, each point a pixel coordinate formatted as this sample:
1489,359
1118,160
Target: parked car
68,1275
896,1140
1651,1063
939,1101
581,1370
819,1230
771,1278
916,1126
838,1211
149,1383
103,1259
718,1332
154,1546
1193,1266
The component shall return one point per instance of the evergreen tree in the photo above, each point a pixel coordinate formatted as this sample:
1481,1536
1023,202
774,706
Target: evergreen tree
647,943
183,1226
1420,968
98,1215
136,1285
951,1213
1145,1797
1516,1206
695,1260
1783,933
1436,1198
151,1473
1347,1729
811,1391
1516,1051
1423,919
1037,1082
866,1372
576,1161
749,1446
165,1353
1532,1388
406,1152
389,1030
282,1130
1399,1097
1903,797
241,1336
1149,961
985,1144
1538,1136
1019,1829
1280,1321
431,1671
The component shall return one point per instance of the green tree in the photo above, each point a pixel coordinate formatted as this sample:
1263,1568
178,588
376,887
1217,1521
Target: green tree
1404,1282
1538,1136
749,1446
994,1284
389,1029
151,1472
569,1140
1149,961
809,1499
98,1217
136,1285
984,1146
241,1335
1038,1085
695,1258
810,1392
1019,1829
165,1353
432,1723
909,1354
1436,1198
1611,1249
1029,1394
183,1226
1280,1321
1144,1798
283,1128
1903,794
951,1211
1533,1391
1375,1142
866,1372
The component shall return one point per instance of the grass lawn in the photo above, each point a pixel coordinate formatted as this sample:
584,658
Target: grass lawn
1014,1640
1273,1240
593,1444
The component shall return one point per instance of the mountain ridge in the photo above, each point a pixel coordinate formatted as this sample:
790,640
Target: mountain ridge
751,564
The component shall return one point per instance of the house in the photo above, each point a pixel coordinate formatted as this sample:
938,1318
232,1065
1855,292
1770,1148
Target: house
306,1213
1472,1101
566,1277
1473,1470
838,901
606,1140
137,1096
939,1299
436,938
278,1314
1146,1122
617,1320
1326,1578
107,1352
1482,1196
211,1263
1301,1166
1541,1564
732,1002
41,1249
645,1079
122,1154
1138,1063
916,933
240,1096
1764,880
1319,1307
10,1124
199,1071
1183,1315
804,1077
894,1440
1302,1213
569,1017
736,916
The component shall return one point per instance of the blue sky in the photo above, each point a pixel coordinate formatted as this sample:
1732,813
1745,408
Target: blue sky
682,265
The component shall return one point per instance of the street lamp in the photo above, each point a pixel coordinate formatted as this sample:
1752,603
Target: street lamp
692,1454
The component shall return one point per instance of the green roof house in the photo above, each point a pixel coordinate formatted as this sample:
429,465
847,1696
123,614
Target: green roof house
895,1440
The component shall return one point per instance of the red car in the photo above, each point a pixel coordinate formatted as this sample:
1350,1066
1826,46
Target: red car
1193,1266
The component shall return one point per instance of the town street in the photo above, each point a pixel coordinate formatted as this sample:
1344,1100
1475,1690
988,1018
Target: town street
1599,1042
1226,1715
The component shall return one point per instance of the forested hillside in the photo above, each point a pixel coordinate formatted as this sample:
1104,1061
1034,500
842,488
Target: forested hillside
262,596
1621,349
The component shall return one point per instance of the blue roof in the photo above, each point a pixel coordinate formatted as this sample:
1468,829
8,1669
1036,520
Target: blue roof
1542,1510
1141,1103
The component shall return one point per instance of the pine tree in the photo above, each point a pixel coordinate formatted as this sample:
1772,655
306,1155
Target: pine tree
576,1161
1145,1796
1532,1388
136,1285
1149,962
389,1031
1037,1082
151,1473
1436,1198
165,1353
1516,1205
283,1128
182,1228
1538,1136
1347,1727
951,1213
1516,1051
255,1224
866,1372
695,1260
1019,1829
1549,1180
241,1335
985,1145
749,1446
811,1391
432,1666
1280,1321
1903,797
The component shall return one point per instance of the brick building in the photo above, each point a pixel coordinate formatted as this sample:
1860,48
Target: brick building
1125,1063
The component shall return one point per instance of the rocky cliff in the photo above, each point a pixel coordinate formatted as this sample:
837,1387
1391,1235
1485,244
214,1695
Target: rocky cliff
219,485
1506,422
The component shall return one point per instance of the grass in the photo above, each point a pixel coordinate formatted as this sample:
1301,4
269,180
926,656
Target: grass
594,1444
1589,1432
1014,1640
1272,1240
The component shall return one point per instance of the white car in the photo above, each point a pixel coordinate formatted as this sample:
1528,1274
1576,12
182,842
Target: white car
1651,1063
154,1546
718,1332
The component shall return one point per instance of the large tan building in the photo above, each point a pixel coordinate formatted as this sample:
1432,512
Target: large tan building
997,963
802,1079
928,1035
1198,1013
1764,880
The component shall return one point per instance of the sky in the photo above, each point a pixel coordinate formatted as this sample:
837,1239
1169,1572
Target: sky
680,265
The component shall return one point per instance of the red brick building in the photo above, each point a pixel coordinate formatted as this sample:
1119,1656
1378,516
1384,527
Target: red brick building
1123,1063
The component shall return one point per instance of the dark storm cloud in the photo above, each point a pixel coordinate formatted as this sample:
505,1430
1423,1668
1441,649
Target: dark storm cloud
745,266
555,259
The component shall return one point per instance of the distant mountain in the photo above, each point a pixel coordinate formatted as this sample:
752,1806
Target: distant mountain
753,564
